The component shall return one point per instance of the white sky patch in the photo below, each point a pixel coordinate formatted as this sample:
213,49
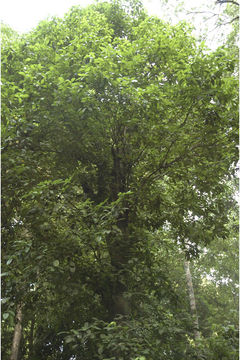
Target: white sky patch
24,15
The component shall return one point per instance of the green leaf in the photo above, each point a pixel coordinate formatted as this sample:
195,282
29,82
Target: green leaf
4,274
69,339
72,269
4,300
5,316
56,263
9,261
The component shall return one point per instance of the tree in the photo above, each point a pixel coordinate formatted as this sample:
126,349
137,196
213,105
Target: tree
17,335
231,2
217,22
114,126
192,299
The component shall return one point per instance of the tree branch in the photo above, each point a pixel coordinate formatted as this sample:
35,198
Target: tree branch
220,2
166,166
231,21
202,12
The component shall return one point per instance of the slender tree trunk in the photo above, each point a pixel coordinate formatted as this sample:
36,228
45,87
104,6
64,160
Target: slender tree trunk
192,300
31,336
17,334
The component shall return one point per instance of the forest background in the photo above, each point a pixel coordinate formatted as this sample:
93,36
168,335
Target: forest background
119,160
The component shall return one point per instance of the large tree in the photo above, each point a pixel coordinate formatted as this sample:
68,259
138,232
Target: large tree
115,124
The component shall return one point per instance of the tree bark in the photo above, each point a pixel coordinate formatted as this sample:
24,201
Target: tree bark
119,251
119,246
17,333
192,300
31,336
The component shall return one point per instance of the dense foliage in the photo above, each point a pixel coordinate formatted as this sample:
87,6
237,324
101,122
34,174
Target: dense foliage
118,146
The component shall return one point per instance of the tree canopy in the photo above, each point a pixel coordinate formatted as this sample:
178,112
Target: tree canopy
118,147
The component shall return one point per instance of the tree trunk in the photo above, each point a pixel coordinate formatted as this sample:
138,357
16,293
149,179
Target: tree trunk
119,250
120,245
17,334
192,300
31,336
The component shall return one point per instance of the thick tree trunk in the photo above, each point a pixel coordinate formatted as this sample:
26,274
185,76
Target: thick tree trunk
17,334
119,246
192,300
119,251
